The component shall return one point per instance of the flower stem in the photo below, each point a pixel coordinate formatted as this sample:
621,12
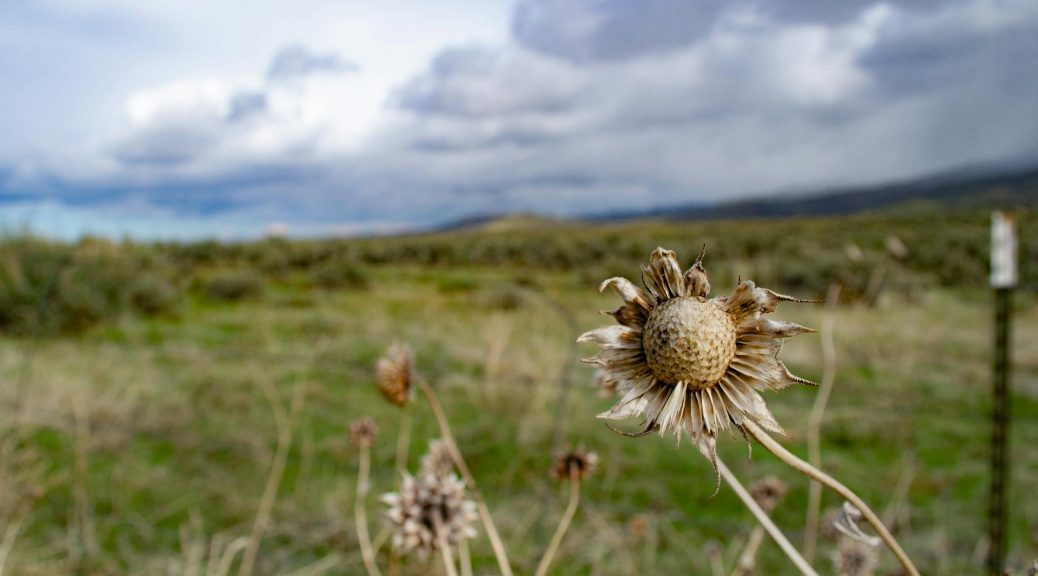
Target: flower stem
748,559
360,513
834,485
403,441
445,547
764,521
459,461
567,517
814,420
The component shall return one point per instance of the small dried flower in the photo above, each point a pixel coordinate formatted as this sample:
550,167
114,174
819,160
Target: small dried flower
438,460
853,558
853,253
768,492
576,462
895,247
689,364
828,525
426,504
362,432
394,373
605,383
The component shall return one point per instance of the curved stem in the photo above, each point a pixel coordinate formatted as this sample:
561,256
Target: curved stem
556,540
764,521
814,420
834,485
360,513
459,461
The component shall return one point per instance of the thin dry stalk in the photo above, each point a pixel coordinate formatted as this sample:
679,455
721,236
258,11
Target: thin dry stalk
285,427
748,559
228,556
459,461
11,531
814,420
571,509
403,441
445,548
763,520
829,482
360,512
466,558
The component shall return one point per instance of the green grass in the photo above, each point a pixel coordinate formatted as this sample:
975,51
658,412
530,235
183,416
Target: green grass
150,436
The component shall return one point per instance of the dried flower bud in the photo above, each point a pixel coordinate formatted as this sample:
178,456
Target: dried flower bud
394,373
362,432
438,460
896,247
768,492
576,462
852,558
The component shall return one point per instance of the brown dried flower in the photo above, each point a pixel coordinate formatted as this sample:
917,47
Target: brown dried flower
768,492
577,462
853,558
425,505
438,460
362,432
394,373
691,364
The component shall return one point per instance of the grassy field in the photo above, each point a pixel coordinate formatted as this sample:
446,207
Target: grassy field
142,443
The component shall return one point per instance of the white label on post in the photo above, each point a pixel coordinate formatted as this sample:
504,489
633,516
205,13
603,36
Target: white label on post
1003,250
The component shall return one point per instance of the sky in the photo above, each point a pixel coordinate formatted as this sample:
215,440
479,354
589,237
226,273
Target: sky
181,119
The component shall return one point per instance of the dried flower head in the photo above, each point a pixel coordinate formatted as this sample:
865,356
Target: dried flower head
438,460
428,504
577,462
394,373
362,432
605,383
691,364
853,558
768,492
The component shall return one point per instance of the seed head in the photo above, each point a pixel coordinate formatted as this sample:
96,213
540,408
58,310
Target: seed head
438,460
575,462
768,492
853,558
394,373
691,364
362,432
425,505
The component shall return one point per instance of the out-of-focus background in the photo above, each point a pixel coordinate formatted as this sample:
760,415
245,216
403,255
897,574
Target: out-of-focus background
216,216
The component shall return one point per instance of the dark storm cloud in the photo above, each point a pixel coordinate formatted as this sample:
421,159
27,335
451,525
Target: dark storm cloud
294,62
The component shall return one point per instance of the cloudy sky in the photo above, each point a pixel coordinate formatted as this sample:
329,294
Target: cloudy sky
188,118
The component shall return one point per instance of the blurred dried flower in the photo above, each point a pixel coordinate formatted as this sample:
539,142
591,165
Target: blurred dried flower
852,558
438,460
896,247
605,383
689,364
394,373
428,504
577,462
828,525
768,492
638,525
362,432
846,522
853,253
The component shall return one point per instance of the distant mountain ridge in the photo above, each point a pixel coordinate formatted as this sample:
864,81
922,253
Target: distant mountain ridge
962,189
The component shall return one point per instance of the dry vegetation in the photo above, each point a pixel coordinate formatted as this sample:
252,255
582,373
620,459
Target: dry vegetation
149,391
